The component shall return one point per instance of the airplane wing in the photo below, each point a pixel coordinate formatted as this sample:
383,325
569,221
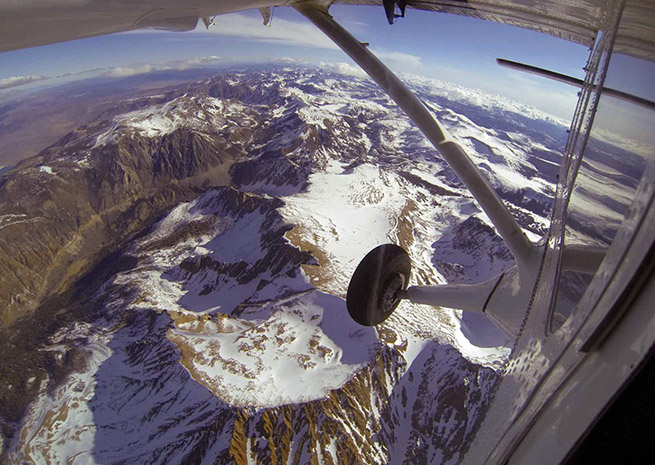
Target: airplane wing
30,23
577,21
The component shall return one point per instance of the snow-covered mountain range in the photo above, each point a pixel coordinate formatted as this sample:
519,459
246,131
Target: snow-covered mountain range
223,335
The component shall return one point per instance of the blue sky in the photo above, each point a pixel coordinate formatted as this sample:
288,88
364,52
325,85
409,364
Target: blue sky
453,48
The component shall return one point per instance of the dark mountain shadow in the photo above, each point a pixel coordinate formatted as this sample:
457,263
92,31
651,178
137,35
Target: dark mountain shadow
355,340
147,408
470,252
435,406
482,332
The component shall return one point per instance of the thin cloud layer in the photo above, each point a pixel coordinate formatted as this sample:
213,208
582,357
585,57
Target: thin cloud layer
15,81
281,31
132,70
144,68
116,72
344,68
298,33
399,58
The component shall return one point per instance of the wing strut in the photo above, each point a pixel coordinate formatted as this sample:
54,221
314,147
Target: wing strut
525,253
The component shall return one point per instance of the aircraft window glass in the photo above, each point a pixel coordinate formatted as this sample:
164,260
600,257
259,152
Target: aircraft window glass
619,146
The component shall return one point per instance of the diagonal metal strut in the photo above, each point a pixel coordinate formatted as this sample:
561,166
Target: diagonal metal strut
524,252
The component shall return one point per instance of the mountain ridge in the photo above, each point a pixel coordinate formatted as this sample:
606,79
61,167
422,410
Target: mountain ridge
192,331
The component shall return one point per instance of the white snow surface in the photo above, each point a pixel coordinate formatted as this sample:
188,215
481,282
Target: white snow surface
359,215
201,113
296,351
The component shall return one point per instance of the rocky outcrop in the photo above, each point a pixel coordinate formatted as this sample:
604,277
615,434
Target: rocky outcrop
365,421
66,208
278,256
471,252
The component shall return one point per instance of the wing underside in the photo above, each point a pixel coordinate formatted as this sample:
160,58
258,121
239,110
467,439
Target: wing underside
574,20
28,24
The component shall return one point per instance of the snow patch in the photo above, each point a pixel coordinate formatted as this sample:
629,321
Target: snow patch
303,349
